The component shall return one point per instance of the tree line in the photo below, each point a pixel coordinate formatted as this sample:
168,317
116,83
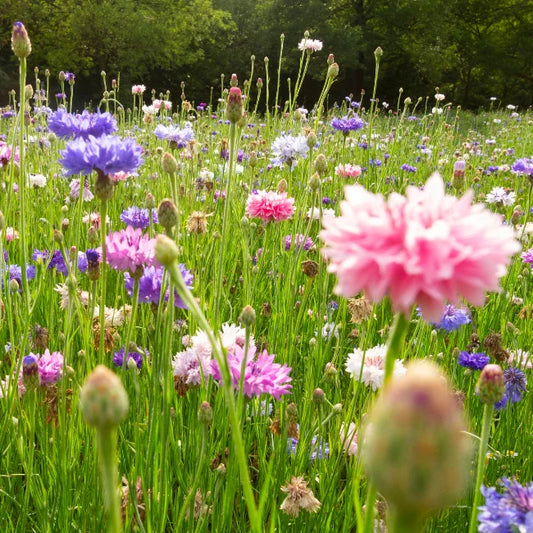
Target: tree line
471,49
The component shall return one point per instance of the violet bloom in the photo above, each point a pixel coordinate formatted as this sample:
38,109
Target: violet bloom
347,124
474,361
527,257
300,241
108,154
129,250
261,374
523,166
180,136
50,367
509,511
138,217
515,382
453,318
67,126
151,282
136,357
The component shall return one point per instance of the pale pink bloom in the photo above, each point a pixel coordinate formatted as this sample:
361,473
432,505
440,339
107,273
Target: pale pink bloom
11,234
120,176
129,249
93,219
270,205
349,438
425,248
138,89
310,45
348,170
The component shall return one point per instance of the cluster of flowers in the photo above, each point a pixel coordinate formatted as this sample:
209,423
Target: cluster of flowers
261,374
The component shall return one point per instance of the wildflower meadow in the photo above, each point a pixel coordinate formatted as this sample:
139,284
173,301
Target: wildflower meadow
245,315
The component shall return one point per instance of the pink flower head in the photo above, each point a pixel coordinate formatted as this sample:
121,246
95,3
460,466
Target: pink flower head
11,234
270,205
138,89
128,249
348,171
6,154
424,248
50,367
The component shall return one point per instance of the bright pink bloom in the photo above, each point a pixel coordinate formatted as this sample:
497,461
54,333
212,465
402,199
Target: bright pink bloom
425,248
347,170
128,249
270,205
50,367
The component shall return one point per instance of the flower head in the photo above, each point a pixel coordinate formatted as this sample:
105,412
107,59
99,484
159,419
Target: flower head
135,356
299,496
500,196
129,249
474,361
66,125
180,136
288,148
108,154
347,124
515,382
138,217
425,248
310,45
453,318
270,205
50,367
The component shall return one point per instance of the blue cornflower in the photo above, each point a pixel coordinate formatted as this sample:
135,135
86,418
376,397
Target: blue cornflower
138,217
347,124
319,449
515,385
288,148
66,125
108,154
408,168
475,361
137,357
453,318
180,136
15,273
151,282
300,241
509,511
523,166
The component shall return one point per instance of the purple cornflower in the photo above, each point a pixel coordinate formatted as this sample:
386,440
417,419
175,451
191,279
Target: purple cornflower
408,168
15,273
523,166
347,124
136,357
58,262
261,374
527,257
67,126
474,361
453,318
69,76
50,367
300,241
509,511
151,282
138,217
180,136
515,385
108,154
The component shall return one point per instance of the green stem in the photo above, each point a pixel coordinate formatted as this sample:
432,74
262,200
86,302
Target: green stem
107,459
488,411
405,522
131,325
103,270
369,504
227,386
282,40
395,344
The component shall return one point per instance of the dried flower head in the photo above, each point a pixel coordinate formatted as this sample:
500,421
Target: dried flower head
299,496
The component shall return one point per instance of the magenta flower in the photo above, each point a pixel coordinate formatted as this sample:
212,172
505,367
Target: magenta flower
270,205
426,248
129,249
50,367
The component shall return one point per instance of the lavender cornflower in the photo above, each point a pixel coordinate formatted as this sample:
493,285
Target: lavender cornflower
151,282
408,168
300,241
474,361
15,273
347,124
108,153
180,136
138,217
510,511
527,257
523,166
66,125
74,192
136,357
453,318
287,149
69,77
515,382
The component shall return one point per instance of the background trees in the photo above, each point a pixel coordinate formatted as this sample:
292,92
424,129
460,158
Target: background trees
470,49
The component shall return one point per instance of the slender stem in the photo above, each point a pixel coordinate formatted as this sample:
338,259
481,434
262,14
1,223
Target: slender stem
282,40
227,386
131,325
107,459
369,504
405,523
395,344
488,410
103,270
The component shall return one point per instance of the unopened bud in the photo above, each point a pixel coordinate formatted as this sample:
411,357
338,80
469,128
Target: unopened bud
259,83
321,164
247,316
282,185
103,400
378,52
169,163
490,386
314,182
205,414
20,42
311,140
167,214
319,396
149,201
28,91
166,251
234,80
234,107
333,70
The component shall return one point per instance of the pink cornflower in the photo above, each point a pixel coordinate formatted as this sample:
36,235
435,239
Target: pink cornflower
348,171
11,234
424,248
120,176
138,89
129,249
270,205
50,367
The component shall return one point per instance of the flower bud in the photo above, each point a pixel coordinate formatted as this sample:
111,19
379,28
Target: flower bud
247,316
234,107
20,42
28,91
378,52
103,400
415,449
333,70
321,164
311,140
167,214
149,201
490,386
169,163
259,83
30,372
166,251
314,182
233,80
282,185
205,414
319,396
